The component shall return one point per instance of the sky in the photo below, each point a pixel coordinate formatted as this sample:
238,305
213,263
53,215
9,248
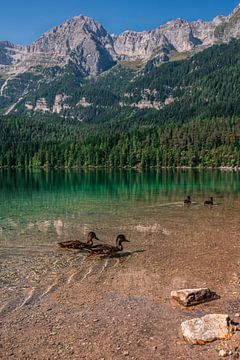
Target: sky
23,21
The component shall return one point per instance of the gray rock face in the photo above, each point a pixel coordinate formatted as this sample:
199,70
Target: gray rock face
84,42
133,45
10,54
5,52
190,297
229,27
80,40
177,35
211,327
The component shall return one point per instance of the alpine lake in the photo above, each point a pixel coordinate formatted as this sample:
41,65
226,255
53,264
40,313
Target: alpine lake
172,246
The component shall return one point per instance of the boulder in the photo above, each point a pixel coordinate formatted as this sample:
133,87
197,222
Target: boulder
190,297
207,329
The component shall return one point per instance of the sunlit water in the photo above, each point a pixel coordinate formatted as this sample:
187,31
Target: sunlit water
37,210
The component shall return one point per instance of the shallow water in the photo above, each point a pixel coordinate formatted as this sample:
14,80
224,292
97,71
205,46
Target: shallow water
37,210
172,246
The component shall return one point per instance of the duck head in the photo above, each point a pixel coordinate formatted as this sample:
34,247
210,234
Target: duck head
120,239
91,236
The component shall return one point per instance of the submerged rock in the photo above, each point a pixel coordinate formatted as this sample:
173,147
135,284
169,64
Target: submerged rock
207,329
190,297
223,353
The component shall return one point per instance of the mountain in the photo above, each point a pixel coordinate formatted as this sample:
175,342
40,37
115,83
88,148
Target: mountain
182,113
54,74
81,40
85,42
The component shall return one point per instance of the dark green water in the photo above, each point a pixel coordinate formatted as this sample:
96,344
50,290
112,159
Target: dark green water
41,208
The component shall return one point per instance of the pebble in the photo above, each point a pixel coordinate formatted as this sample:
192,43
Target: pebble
125,353
223,353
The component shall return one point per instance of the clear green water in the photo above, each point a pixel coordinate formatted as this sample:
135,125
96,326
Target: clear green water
95,198
42,208
38,210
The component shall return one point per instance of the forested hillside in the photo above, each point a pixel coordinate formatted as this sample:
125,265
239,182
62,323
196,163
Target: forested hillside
53,143
196,124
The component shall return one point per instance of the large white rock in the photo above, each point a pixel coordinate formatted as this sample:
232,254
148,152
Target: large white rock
189,297
207,329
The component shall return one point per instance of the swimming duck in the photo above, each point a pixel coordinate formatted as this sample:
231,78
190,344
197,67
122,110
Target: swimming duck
209,202
76,244
109,249
187,201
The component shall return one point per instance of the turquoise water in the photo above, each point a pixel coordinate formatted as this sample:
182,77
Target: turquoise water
45,207
38,210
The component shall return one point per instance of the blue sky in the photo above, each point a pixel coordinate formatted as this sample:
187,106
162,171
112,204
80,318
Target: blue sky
22,21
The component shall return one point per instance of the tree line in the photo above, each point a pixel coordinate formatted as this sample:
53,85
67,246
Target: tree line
55,143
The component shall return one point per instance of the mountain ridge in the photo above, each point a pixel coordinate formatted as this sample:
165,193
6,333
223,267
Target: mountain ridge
53,74
88,38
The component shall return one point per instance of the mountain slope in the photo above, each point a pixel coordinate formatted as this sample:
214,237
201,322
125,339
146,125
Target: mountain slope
207,83
182,113
55,73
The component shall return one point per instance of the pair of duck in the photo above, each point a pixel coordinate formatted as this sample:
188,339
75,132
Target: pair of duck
188,201
95,249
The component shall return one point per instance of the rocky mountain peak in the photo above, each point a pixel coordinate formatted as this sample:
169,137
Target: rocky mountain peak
67,36
81,40
85,42
236,10
229,27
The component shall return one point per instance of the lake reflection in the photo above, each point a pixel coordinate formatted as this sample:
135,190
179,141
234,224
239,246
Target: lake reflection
40,207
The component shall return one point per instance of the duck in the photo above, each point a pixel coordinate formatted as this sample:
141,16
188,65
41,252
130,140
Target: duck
209,202
76,244
187,201
105,249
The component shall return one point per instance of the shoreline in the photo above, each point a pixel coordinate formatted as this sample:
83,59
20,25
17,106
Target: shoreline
136,168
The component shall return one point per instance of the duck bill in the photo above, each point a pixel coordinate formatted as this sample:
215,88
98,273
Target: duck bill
96,238
127,240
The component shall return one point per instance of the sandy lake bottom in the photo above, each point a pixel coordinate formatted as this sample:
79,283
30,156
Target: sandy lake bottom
57,304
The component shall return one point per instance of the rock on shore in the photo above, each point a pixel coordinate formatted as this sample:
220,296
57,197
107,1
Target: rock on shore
190,297
207,329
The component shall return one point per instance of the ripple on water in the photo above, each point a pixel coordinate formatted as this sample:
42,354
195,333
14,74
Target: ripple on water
65,206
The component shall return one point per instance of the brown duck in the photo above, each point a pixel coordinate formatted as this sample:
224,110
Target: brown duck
187,201
76,244
106,249
209,202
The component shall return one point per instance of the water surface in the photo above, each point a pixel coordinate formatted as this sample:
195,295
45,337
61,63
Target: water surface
37,210
42,208
47,292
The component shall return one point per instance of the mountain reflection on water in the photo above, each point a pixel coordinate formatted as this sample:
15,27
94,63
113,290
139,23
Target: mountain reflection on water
40,207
